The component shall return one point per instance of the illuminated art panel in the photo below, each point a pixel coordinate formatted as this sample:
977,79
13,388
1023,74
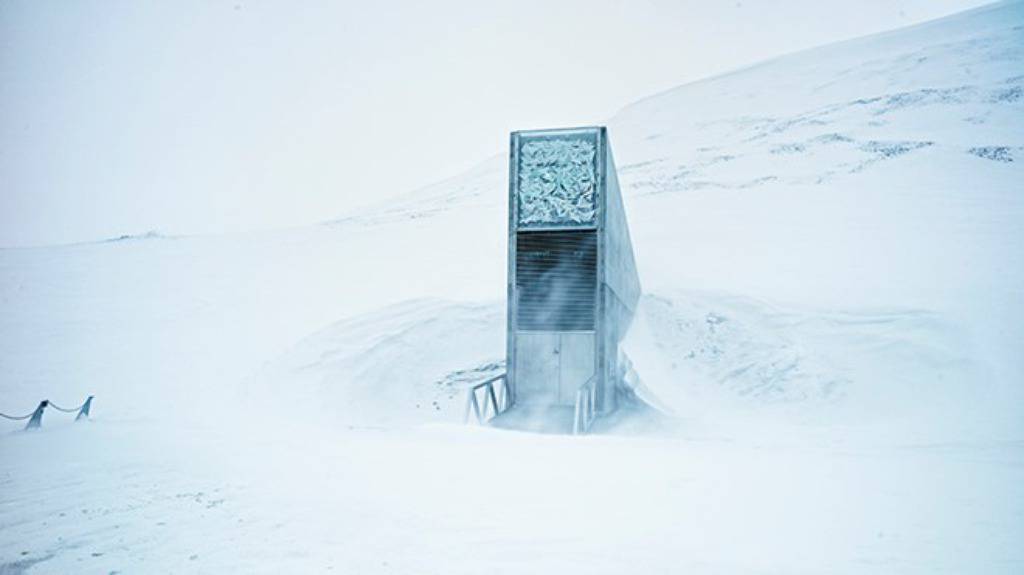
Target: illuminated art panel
557,181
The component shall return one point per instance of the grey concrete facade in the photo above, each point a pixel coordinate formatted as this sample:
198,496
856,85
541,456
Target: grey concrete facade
572,279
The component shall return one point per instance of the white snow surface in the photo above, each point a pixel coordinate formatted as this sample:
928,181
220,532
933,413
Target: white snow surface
828,350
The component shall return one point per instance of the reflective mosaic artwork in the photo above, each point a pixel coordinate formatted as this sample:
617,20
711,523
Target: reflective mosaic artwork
557,181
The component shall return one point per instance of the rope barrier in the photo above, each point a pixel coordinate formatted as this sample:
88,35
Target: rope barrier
66,410
35,419
13,418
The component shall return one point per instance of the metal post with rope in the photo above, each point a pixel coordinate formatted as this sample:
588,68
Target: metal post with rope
35,419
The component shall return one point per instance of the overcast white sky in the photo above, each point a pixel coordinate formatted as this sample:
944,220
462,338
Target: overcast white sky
200,116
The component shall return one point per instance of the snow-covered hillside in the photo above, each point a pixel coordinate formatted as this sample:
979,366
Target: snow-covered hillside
881,175
831,250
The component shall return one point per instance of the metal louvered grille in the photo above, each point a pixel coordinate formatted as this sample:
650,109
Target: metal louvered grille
556,277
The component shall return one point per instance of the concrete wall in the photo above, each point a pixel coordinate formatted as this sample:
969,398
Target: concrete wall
548,367
620,284
619,272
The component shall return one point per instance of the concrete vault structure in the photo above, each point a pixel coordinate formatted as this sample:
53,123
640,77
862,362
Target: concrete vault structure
572,278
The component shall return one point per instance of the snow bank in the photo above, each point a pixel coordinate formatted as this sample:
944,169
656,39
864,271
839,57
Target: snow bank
407,364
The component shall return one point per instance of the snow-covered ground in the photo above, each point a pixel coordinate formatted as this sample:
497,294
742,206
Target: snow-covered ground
125,496
831,250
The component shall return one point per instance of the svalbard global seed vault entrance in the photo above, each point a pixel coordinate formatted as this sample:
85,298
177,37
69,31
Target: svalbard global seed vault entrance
572,280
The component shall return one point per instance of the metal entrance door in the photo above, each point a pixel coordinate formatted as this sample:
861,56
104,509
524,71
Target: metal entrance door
551,366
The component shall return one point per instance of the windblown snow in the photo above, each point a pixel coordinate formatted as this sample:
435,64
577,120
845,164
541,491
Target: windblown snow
828,354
